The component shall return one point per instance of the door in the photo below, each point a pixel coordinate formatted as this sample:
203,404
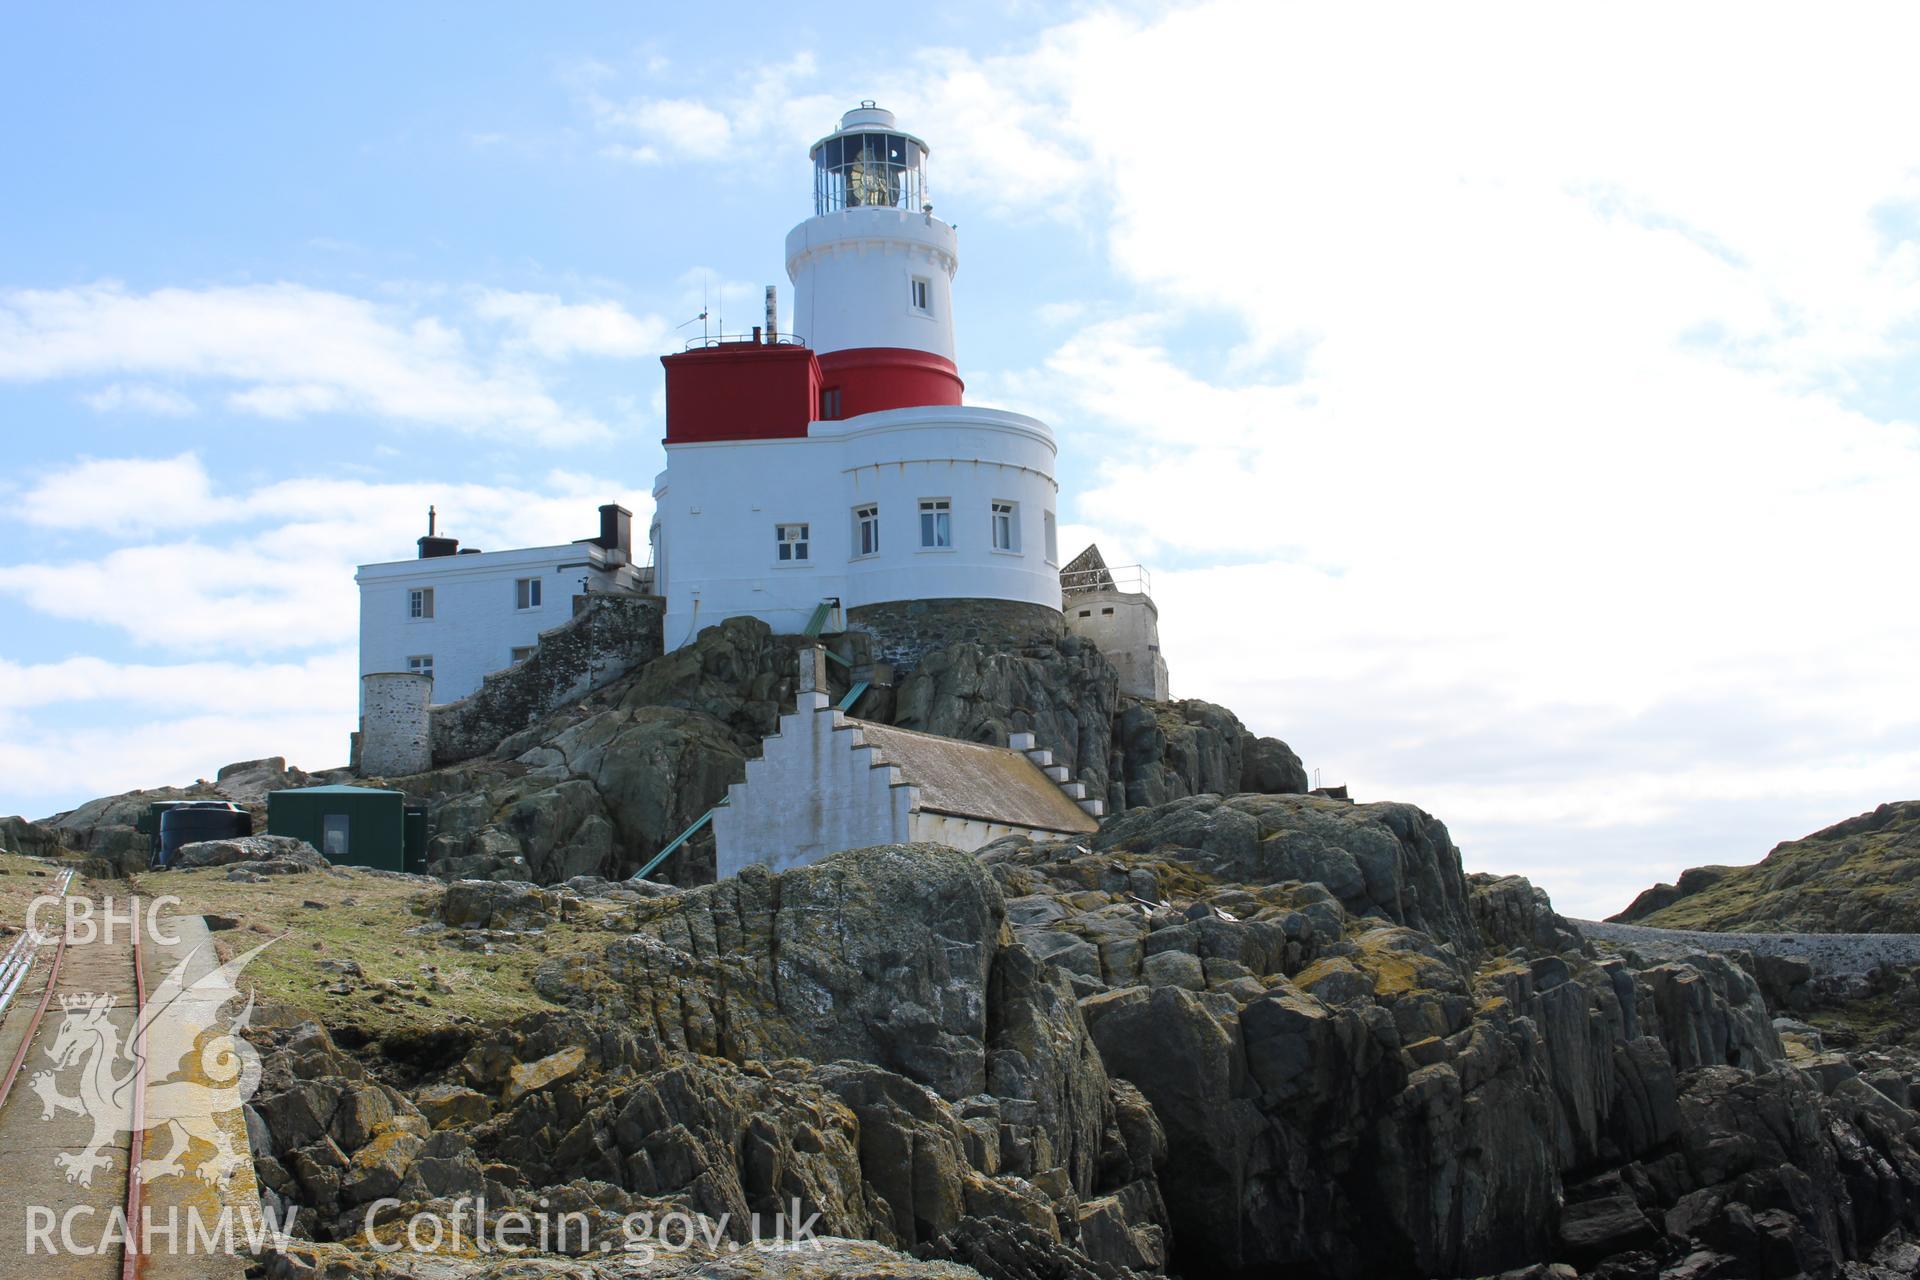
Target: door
333,835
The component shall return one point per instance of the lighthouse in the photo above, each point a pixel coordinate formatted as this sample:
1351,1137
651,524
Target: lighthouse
833,477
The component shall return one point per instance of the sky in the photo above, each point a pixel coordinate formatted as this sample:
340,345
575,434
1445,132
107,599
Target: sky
1514,406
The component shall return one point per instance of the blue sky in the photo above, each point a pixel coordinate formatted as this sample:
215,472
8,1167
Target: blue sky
1517,415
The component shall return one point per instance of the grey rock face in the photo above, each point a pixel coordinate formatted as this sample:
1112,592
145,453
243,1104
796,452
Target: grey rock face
496,904
220,853
1390,860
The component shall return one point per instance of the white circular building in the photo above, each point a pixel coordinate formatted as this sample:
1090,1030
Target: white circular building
832,477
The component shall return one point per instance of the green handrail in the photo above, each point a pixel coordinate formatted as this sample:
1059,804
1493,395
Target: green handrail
853,695
678,840
818,620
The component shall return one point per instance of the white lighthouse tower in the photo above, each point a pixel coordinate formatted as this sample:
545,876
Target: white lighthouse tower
873,270
832,477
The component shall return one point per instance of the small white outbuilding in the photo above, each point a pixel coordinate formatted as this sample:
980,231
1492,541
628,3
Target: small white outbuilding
827,782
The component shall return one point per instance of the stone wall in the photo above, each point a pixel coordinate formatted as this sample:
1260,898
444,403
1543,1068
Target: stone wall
394,724
1125,626
905,631
608,635
1826,953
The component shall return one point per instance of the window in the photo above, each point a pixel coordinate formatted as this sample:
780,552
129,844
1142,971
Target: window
421,664
420,602
521,654
526,593
333,835
1107,612
922,294
1006,526
936,522
1053,540
790,542
866,531
829,403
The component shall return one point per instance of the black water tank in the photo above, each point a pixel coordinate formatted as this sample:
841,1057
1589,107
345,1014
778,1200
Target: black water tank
199,820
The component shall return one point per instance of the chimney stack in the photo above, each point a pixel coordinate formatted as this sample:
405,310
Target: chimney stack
616,530
433,546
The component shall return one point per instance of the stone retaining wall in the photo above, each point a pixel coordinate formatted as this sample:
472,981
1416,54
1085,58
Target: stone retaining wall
609,635
1828,953
905,631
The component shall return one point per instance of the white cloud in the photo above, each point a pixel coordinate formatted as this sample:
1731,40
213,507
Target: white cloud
160,402
1534,415
558,330
83,726
1492,397
285,351
279,577
183,686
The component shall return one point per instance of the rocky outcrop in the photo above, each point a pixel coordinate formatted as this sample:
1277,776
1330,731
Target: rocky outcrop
1245,1035
1387,860
108,827
1664,895
34,839
220,853
863,1037
1857,876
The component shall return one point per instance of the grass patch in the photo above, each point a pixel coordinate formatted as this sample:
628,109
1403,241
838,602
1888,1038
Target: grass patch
368,919
22,879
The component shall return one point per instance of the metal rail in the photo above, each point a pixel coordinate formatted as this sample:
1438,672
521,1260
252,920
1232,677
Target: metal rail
46,998
131,1254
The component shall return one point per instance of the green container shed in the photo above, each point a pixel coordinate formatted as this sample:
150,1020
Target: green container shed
352,826
417,839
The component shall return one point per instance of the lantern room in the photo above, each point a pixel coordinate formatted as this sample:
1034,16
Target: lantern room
869,164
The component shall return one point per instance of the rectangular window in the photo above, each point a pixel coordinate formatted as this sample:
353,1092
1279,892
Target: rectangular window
1006,526
333,835
936,522
420,602
866,531
421,664
526,593
829,403
1053,540
521,654
790,542
922,294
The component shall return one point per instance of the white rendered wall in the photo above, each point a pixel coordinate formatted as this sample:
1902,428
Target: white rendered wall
813,791
475,625
816,790
852,273
1125,627
717,505
966,834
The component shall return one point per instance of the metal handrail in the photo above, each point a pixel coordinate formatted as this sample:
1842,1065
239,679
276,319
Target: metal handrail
1124,578
755,339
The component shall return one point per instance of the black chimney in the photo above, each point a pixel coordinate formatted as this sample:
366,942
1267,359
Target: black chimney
616,529
433,545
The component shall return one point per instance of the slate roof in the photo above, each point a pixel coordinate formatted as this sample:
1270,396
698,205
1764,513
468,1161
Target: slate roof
973,780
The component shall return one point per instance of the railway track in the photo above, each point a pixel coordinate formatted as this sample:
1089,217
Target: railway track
20,1110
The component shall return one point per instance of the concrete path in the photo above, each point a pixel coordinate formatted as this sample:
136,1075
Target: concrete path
37,1189
184,1099
200,1224
1829,953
